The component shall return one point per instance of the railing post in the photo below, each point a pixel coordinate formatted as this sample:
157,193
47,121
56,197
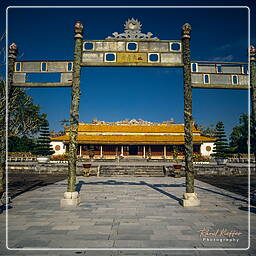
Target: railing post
253,98
190,197
71,197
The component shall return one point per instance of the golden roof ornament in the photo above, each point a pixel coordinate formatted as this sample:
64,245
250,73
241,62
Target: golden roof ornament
132,30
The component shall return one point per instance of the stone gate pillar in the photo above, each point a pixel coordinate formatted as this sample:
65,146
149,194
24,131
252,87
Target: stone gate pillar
253,98
12,55
71,197
190,197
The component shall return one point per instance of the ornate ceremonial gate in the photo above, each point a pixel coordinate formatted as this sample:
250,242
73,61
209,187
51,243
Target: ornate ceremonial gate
135,49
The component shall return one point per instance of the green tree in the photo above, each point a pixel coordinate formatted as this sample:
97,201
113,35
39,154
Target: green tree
21,144
43,147
24,118
208,131
221,149
239,136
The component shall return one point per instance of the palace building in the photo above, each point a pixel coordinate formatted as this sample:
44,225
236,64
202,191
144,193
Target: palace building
132,139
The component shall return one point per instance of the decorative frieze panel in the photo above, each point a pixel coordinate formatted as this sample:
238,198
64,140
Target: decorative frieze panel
132,48
43,66
219,75
171,58
132,53
89,57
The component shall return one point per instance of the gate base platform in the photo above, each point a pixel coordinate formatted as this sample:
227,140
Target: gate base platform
190,199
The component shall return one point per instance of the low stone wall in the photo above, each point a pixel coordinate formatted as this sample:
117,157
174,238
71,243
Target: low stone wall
62,168
223,170
40,168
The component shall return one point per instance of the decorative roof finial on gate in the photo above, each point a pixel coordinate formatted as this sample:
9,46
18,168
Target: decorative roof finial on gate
132,25
132,30
252,53
78,29
12,51
186,30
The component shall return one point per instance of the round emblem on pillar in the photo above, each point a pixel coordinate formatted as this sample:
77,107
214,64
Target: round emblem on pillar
57,147
208,148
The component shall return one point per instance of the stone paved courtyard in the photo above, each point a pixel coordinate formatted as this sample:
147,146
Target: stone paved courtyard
128,212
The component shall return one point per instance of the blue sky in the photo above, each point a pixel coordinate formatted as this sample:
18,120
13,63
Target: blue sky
153,94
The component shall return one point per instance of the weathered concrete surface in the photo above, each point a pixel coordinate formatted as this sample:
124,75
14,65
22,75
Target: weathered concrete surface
127,212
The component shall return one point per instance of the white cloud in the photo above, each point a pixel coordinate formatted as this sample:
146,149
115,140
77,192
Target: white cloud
225,58
223,47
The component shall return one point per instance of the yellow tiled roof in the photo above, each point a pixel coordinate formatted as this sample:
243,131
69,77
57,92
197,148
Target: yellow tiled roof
163,128
133,139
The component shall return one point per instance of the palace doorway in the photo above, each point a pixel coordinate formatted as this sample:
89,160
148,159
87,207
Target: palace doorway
133,150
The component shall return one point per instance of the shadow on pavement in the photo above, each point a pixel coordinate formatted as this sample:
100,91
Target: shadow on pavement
252,209
19,184
3,208
155,187
223,194
141,183
162,191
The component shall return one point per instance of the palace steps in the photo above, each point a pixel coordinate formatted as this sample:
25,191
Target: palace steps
138,171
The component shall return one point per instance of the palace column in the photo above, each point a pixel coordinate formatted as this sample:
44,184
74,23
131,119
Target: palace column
80,150
101,154
71,197
144,151
253,98
190,197
164,151
122,150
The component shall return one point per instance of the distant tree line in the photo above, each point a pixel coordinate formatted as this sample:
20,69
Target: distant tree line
36,146
238,139
24,122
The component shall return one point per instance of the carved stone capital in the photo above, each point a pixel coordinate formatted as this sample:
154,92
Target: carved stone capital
186,30
12,51
252,53
78,28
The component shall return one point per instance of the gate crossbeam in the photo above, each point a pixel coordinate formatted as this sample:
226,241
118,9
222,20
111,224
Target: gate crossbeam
220,75
23,68
43,84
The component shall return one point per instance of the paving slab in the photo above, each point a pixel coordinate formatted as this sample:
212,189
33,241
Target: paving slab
128,212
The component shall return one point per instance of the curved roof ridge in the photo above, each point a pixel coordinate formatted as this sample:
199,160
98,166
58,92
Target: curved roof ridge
89,127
